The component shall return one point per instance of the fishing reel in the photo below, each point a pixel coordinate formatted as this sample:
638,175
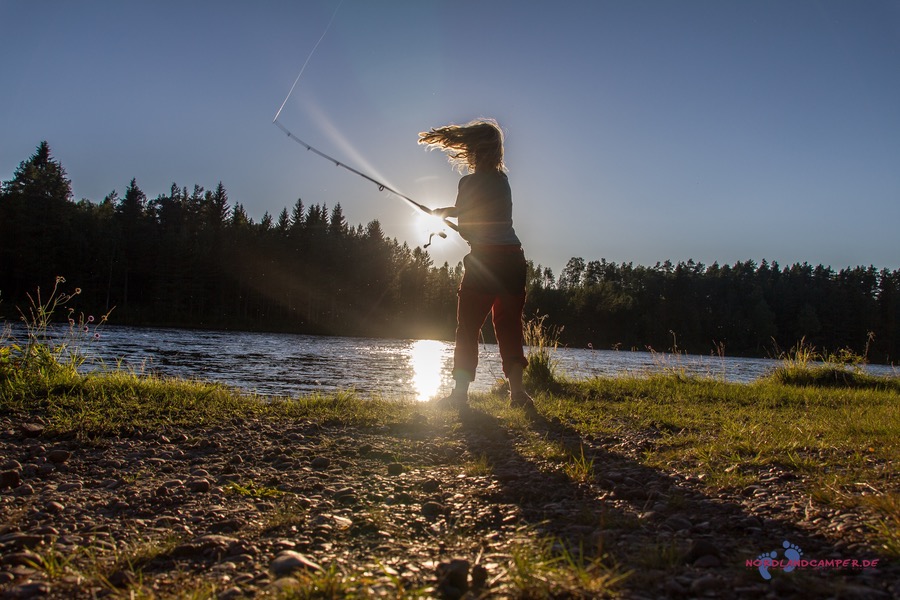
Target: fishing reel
440,234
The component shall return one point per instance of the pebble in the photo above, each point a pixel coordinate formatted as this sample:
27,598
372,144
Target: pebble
289,561
58,456
453,577
230,593
433,509
320,462
706,583
198,485
10,479
29,590
31,430
677,523
24,490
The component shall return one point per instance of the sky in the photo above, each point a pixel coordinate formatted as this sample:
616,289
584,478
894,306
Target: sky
636,131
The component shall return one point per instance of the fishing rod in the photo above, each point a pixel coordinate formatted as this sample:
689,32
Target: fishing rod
382,187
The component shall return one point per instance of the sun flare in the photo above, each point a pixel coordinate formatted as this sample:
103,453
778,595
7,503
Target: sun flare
427,224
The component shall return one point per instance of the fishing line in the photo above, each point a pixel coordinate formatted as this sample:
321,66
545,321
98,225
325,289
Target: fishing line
382,187
306,62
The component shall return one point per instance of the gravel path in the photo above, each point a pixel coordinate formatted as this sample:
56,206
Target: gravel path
437,504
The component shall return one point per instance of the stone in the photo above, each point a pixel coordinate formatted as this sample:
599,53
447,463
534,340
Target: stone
31,430
11,465
58,456
320,463
433,509
10,479
121,578
479,576
19,540
453,577
198,485
395,468
230,593
25,558
31,589
677,523
707,561
706,583
702,548
290,561
23,490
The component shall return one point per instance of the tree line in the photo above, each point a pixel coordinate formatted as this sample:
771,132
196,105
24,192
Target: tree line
191,258
742,309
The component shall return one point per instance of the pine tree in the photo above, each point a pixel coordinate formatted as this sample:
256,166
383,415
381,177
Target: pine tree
37,242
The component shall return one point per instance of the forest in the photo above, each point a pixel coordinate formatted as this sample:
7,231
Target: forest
192,258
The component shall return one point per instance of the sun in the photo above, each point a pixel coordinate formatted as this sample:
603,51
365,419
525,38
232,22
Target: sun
429,224
426,226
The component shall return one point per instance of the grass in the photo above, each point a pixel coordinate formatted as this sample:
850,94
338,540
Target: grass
844,442
40,354
804,365
547,569
99,565
579,468
253,490
96,405
478,466
542,372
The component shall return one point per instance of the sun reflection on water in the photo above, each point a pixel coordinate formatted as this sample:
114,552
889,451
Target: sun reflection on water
426,357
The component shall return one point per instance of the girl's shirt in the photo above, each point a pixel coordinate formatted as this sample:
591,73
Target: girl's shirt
484,209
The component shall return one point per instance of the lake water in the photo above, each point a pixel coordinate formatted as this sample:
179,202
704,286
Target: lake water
279,364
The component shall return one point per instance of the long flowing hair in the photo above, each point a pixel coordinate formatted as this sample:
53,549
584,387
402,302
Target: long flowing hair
475,145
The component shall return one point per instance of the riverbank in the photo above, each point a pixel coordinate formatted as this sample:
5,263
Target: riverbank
123,486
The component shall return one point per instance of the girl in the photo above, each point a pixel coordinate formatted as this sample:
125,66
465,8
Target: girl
494,277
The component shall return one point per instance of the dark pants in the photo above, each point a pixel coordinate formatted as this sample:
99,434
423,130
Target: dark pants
493,283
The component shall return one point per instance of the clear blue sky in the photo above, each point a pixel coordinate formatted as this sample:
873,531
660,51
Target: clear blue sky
637,131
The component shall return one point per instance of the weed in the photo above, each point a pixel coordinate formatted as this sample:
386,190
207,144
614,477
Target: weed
327,584
541,340
479,466
887,527
43,353
548,569
288,513
664,556
54,563
253,490
580,468
804,365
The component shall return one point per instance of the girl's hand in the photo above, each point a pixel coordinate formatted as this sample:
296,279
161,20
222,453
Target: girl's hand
449,211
